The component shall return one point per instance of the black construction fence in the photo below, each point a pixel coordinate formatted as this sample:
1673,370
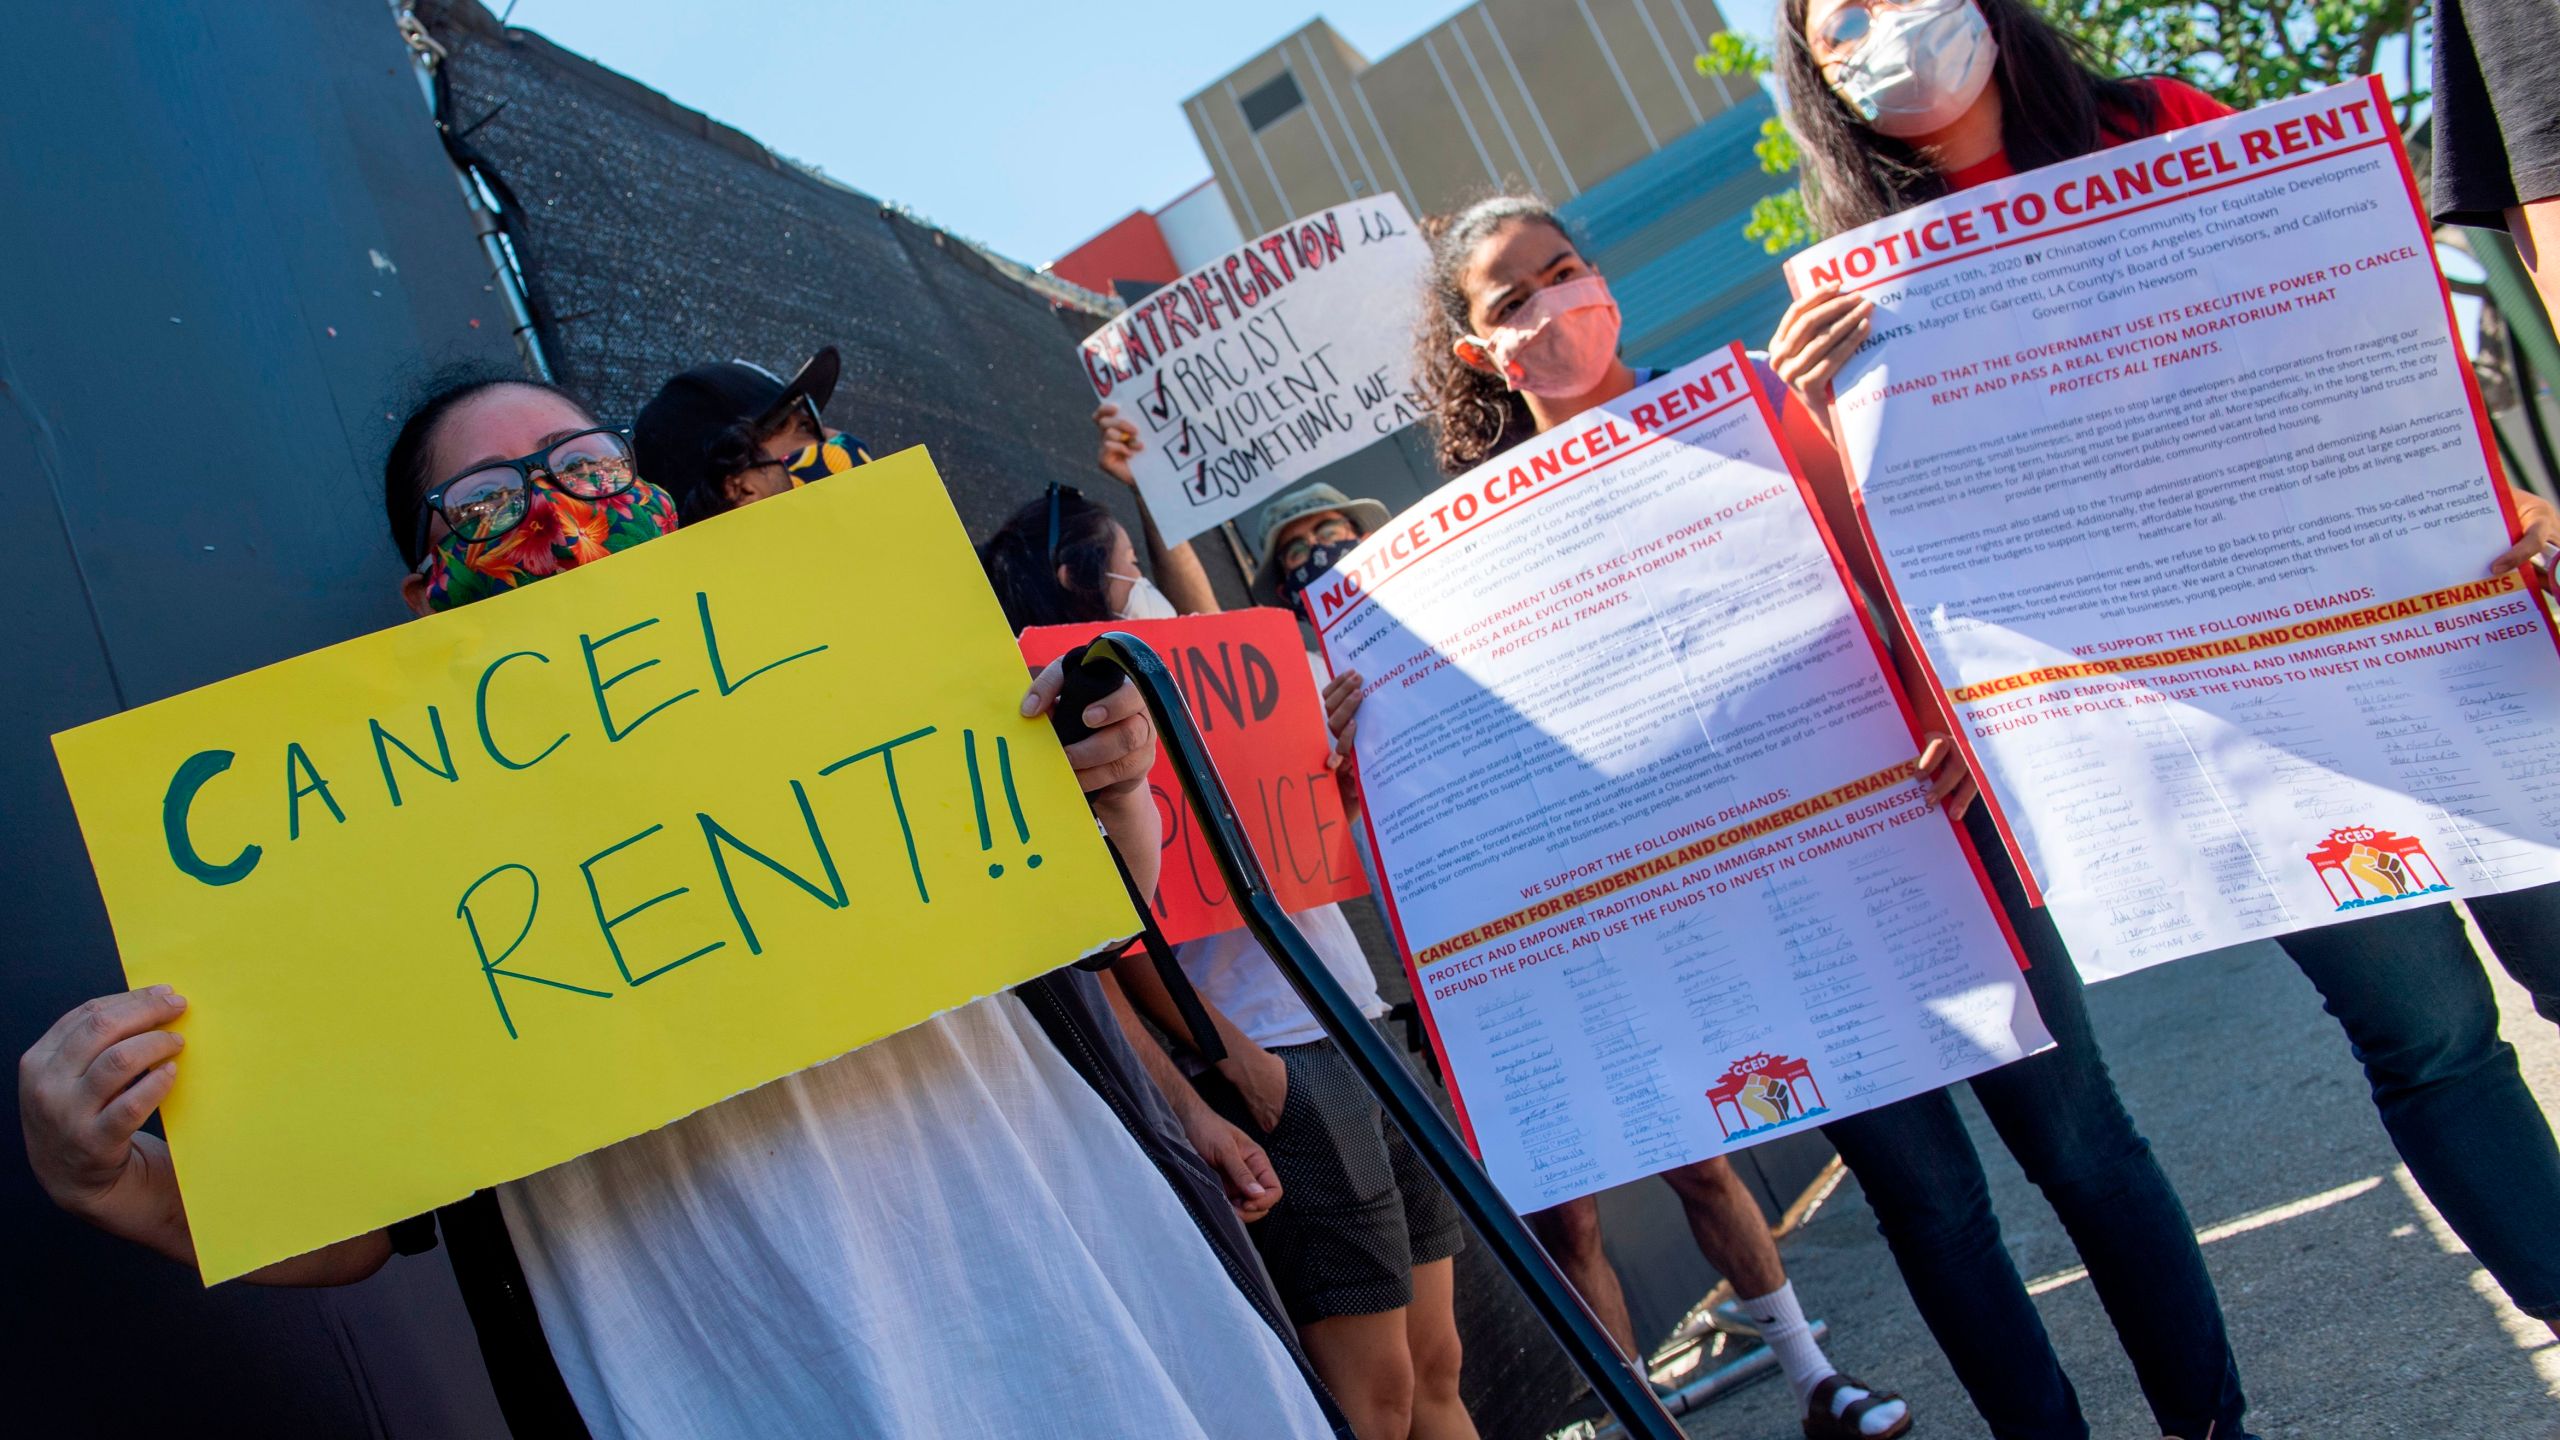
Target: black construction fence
653,238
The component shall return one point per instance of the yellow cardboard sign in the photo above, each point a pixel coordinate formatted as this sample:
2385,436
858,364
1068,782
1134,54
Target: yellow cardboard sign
476,895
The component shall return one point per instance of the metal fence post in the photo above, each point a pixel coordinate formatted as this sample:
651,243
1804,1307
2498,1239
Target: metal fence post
1618,1381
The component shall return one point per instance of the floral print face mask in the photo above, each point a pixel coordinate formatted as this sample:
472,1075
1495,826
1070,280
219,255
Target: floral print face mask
559,531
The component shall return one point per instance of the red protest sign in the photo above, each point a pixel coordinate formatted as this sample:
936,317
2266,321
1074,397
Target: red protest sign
1252,693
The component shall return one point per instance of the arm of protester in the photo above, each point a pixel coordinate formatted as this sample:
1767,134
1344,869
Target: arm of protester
1252,1188
1342,718
1951,783
84,1089
2541,525
1815,338
1176,568
1112,764
1256,1073
1941,761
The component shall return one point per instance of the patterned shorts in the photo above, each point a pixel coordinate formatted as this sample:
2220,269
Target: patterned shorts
1358,1209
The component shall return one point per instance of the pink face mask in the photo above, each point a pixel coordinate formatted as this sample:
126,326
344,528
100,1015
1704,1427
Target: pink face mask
1560,343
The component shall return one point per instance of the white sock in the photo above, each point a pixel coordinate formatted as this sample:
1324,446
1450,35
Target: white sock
1782,1324
1790,1338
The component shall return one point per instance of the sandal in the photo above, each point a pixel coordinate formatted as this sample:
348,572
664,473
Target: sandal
1821,1422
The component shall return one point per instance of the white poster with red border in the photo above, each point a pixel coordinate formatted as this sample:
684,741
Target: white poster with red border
1640,784
2179,473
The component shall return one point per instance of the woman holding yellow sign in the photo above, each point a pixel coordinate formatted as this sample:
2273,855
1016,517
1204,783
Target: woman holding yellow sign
761,1267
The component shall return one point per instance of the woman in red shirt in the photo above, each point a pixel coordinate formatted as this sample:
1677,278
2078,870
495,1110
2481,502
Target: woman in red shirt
1895,102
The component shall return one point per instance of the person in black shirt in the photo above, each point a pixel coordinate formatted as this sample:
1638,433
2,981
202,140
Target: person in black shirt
2497,126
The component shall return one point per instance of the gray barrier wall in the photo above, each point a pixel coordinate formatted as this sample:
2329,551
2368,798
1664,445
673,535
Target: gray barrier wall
230,246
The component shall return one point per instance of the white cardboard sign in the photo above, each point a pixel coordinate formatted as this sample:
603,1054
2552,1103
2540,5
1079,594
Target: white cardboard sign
1252,372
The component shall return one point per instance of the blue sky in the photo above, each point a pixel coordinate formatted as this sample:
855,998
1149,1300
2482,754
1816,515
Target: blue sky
1024,125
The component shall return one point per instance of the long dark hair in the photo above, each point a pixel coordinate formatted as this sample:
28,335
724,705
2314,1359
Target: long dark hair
2055,104
404,468
1024,570
1473,416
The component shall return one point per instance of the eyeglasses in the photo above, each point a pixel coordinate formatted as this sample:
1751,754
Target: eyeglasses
489,500
800,411
1845,29
1332,530
805,409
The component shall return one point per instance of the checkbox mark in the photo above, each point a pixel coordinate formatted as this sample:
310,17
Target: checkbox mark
1185,444
1156,405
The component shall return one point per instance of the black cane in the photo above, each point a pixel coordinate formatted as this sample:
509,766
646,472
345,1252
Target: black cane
1619,1383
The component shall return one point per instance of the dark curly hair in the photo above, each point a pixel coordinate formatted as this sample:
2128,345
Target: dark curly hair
2055,104
1473,416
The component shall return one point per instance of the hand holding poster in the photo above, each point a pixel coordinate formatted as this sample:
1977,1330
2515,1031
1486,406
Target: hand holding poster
476,895
2178,472
1642,791
1245,676
1262,367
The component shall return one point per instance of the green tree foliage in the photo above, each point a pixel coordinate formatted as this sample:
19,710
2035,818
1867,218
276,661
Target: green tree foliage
1778,221
2242,53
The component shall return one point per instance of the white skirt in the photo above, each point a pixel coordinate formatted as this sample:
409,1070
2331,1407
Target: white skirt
945,1233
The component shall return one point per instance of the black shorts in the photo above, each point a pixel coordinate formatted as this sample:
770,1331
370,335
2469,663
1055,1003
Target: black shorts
2497,108
1358,1210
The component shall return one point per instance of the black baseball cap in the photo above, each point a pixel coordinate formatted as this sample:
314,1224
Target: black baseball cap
698,429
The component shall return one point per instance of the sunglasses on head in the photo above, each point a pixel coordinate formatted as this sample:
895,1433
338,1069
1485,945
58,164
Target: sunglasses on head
804,408
744,446
1058,490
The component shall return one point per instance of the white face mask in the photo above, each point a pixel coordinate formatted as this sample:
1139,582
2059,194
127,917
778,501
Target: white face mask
1146,602
1920,67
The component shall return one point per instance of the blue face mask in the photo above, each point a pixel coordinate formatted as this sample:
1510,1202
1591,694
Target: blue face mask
1320,558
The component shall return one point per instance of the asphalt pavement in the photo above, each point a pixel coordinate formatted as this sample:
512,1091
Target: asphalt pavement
2354,1311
